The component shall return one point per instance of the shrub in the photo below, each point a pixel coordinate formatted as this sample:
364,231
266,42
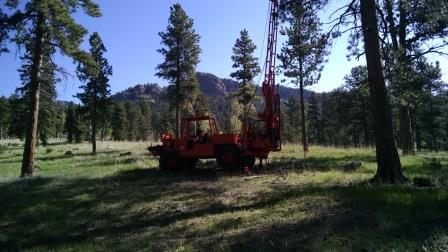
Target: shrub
49,150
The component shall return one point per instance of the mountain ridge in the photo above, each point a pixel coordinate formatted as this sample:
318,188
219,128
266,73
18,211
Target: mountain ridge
209,84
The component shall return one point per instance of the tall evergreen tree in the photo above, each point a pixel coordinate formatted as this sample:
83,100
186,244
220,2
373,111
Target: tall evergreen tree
246,68
45,23
388,162
97,90
47,85
304,51
181,55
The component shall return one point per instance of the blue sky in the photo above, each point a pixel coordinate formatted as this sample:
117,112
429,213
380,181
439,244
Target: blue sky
130,32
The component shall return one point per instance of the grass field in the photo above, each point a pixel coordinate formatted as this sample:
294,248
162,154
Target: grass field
122,202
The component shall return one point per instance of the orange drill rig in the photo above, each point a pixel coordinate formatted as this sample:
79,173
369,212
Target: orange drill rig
231,151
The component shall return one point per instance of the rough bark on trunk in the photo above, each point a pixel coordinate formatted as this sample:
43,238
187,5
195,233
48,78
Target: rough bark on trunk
388,161
31,133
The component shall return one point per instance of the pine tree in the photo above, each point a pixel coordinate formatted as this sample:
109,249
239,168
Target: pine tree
388,162
47,99
119,123
304,51
97,90
246,68
181,55
45,23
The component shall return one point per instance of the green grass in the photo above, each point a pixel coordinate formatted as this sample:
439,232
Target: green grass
113,202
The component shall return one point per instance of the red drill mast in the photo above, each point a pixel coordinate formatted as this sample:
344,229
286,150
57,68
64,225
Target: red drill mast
271,112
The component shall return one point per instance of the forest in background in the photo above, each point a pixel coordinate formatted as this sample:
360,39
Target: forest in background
340,118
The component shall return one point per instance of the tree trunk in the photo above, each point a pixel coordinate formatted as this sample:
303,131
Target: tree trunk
399,46
302,110
31,134
388,161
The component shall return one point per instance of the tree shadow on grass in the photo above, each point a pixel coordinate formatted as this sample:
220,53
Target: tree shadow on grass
57,213
364,218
